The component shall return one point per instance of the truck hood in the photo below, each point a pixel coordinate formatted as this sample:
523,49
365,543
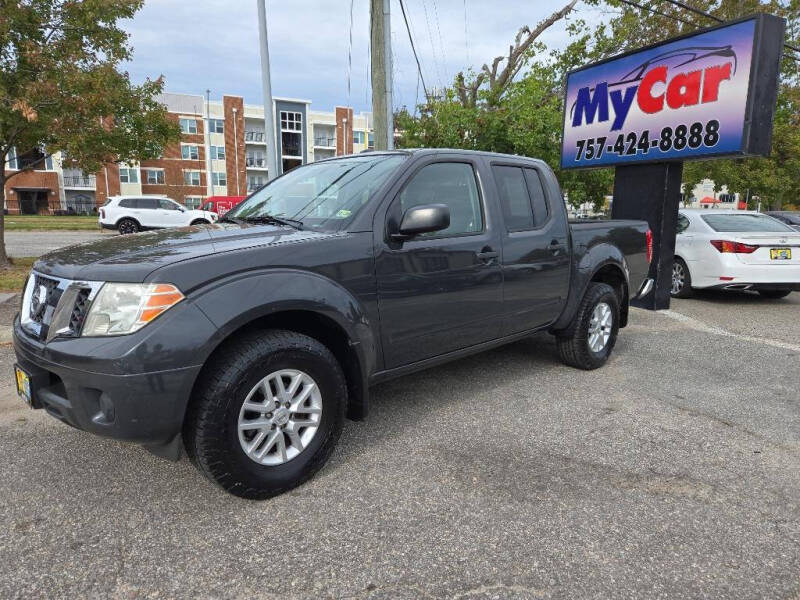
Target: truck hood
131,258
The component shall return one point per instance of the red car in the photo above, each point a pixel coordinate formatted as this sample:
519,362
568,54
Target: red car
222,204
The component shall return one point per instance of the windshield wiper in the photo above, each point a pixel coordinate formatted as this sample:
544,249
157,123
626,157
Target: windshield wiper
226,219
272,219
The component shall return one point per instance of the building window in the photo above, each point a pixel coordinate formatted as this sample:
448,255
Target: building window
358,137
291,121
219,178
371,139
189,152
191,177
12,158
154,176
218,152
291,144
188,125
192,202
216,126
254,182
291,163
127,175
255,158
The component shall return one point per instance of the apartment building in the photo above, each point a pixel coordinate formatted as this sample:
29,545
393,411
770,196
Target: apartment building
222,152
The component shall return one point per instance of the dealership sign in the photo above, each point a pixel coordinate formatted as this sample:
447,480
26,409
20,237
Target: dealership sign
708,94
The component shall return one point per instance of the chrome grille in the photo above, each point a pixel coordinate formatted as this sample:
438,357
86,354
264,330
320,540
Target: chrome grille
54,307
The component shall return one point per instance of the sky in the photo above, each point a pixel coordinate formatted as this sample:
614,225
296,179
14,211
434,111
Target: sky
213,44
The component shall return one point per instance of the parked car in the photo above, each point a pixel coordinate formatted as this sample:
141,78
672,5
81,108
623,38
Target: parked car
250,340
129,214
791,218
735,250
221,204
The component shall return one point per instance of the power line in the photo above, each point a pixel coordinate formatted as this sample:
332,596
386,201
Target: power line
686,22
433,47
703,13
414,50
466,37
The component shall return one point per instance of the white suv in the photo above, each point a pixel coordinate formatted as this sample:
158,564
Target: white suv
129,214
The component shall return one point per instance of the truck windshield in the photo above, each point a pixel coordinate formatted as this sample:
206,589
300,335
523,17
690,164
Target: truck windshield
325,196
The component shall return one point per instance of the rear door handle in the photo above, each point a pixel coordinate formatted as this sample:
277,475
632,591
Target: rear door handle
487,254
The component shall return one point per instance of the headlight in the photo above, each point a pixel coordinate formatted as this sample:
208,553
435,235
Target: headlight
122,308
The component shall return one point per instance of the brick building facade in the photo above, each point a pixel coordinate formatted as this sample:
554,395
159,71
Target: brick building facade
222,152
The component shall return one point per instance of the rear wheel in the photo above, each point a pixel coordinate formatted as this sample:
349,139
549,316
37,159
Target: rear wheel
681,279
774,294
588,342
267,415
127,226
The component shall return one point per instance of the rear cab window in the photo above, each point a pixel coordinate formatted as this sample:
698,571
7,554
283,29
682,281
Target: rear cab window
746,223
522,197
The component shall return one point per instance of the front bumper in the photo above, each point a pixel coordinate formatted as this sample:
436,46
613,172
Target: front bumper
133,388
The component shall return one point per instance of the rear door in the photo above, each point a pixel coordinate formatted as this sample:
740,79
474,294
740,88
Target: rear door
535,239
147,212
442,291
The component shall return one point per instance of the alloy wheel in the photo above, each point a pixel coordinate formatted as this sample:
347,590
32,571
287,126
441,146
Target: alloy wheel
600,327
678,277
279,417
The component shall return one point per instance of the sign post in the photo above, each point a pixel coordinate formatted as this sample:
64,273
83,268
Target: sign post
705,95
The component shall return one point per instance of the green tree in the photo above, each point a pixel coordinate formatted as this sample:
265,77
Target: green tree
775,179
60,88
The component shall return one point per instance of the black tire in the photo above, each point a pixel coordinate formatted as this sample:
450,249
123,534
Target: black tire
573,343
200,222
683,290
211,427
774,294
127,225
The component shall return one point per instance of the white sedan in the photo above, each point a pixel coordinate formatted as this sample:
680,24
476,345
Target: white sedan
739,250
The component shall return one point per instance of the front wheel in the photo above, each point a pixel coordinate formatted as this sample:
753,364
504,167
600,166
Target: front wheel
588,342
200,222
774,294
267,414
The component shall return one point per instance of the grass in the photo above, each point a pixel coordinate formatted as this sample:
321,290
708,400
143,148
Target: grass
50,223
12,278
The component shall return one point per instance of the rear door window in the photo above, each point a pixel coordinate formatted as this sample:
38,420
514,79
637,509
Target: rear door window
514,199
127,203
541,210
147,203
746,223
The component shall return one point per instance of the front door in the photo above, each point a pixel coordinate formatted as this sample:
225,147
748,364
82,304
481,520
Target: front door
441,291
170,213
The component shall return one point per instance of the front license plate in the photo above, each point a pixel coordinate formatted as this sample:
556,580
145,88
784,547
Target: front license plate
23,385
780,253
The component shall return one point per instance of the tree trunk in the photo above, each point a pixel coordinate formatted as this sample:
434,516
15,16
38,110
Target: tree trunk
3,255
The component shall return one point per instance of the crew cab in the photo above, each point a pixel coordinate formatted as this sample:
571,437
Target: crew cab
247,342
130,214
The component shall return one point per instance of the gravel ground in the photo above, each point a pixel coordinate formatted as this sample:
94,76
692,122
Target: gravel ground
36,243
672,472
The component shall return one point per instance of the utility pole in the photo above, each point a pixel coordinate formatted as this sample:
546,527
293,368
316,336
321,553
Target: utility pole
269,115
209,164
381,60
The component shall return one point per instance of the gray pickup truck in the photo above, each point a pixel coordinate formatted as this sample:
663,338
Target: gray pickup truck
249,341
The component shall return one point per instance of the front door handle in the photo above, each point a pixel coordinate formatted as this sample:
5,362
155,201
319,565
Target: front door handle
554,247
487,254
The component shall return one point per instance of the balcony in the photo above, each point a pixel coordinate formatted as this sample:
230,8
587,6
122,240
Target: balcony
79,181
325,142
257,163
254,136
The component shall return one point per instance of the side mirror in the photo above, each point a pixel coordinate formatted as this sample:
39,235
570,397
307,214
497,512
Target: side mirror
423,219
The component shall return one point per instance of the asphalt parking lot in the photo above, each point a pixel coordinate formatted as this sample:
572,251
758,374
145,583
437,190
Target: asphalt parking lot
672,472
